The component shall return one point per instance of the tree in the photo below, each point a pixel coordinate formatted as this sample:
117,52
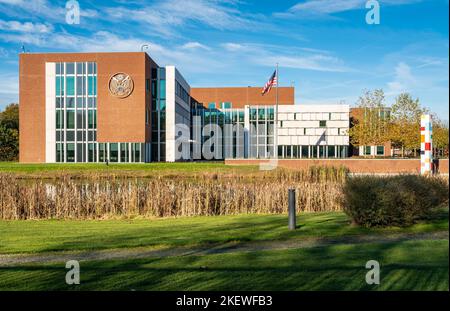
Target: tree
370,126
9,118
440,135
404,130
9,133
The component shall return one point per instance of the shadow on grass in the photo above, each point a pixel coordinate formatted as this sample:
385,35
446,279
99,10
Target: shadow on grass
341,267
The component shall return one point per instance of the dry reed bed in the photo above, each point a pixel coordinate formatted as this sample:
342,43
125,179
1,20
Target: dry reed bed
211,194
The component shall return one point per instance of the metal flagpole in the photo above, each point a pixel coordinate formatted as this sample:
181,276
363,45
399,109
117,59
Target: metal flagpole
276,117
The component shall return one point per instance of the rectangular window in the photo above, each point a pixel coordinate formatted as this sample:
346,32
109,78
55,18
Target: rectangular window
137,152
380,150
92,85
92,102
92,152
261,114
80,86
124,152
59,152
70,135
322,123
92,119
102,152
113,152
162,89
59,86
59,119
226,105
147,85
58,68
70,119
80,119
331,151
70,102
80,68
80,153
70,86
305,151
367,150
70,68
212,105
70,152
80,102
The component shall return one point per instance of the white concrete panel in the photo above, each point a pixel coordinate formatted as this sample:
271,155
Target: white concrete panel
310,131
170,113
319,131
314,140
283,131
303,140
284,140
294,124
306,116
331,140
50,113
292,132
294,140
345,140
332,131
282,116
300,131
343,124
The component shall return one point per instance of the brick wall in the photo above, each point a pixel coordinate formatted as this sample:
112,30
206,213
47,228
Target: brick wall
354,165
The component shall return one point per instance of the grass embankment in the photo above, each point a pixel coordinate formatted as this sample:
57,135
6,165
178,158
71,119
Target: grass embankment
54,170
409,265
72,235
415,264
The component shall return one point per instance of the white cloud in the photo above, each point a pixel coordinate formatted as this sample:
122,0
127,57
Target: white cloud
403,80
288,57
232,47
16,26
194,45
327,7
164,16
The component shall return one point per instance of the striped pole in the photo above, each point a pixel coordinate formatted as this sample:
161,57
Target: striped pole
426,145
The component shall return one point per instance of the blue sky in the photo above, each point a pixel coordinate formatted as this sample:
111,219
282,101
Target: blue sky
324,47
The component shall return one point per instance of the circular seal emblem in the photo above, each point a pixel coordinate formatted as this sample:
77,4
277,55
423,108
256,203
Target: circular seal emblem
121,85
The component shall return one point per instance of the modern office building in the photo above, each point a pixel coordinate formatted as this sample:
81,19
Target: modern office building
123,107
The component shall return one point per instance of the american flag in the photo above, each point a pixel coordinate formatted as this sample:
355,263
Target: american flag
272,81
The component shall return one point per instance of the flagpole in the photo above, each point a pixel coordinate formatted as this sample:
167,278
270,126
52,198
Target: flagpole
276,117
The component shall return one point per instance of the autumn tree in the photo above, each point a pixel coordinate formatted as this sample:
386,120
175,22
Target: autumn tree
404,129
440,135
370,123
9,133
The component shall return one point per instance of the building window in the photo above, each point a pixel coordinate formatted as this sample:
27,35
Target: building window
70,152
305,151
331,151
147,85
226,105
322,123
367,150
380,150
212,105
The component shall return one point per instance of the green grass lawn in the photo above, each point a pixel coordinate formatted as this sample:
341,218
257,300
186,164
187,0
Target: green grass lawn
410,265
420,264
35,236
142,168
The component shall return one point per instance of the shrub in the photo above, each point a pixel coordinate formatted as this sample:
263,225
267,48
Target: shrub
402,200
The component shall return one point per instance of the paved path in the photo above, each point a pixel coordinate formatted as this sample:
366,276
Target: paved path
142,252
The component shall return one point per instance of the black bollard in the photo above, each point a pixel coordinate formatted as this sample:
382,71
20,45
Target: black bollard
292,217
